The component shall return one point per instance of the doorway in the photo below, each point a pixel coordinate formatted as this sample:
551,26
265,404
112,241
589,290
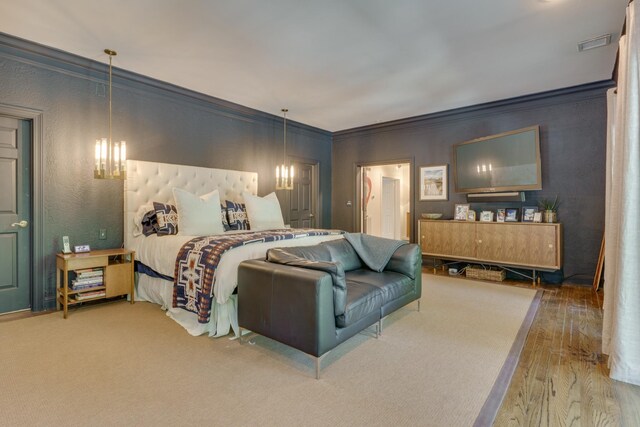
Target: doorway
385,202
15,214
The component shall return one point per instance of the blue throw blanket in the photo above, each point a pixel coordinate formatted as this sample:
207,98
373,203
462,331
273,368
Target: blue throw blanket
198,260
374,251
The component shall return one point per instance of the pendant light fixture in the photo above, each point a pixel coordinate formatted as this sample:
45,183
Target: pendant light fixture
284,174
110,157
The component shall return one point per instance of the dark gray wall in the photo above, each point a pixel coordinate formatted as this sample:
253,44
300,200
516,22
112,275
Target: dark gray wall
573,143
159,121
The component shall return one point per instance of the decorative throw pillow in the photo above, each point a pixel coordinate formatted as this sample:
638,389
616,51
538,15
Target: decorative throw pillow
167,217
199,216
138,227
237,216
149,223
263,212
225,220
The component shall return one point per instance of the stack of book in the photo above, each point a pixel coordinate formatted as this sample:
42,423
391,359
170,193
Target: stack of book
88,279
89,295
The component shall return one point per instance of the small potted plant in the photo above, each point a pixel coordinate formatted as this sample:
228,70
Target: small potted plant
550,209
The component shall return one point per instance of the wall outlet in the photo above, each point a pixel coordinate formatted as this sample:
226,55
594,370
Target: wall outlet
103,234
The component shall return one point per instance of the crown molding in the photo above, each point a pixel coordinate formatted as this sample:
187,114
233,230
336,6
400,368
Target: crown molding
58,60
525,102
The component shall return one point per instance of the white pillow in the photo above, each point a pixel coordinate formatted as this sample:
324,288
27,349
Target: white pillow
198,216
264,212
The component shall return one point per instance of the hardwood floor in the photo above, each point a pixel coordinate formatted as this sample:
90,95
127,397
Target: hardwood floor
562,376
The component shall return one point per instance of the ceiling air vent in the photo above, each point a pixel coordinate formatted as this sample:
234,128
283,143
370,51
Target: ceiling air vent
594,42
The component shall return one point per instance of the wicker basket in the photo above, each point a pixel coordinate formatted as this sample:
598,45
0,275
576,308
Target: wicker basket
492,273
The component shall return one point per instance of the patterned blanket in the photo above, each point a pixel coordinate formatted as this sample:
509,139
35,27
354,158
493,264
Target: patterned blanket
198,259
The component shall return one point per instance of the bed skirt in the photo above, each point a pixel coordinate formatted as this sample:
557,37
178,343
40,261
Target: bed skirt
224,317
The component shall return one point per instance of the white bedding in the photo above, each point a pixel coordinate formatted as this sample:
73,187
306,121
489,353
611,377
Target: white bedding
159,253
149,182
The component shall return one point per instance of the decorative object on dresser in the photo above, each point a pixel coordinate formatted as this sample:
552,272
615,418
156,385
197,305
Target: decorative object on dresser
550,209
461,212
471,215
511,215
528,213
501,215
434,182
512,244
96,275
110,158
432,215
486,216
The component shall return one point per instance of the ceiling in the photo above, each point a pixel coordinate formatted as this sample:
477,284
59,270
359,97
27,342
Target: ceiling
336,64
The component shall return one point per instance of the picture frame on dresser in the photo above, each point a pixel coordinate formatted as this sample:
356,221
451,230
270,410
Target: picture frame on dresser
500,215
461,212
486,216
528,213
511,215
434,182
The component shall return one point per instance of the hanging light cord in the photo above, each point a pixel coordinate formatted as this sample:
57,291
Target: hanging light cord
284,154
111,54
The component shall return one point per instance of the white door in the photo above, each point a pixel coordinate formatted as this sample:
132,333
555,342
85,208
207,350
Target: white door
389,207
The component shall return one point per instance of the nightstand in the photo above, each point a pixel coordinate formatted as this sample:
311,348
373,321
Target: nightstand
94,275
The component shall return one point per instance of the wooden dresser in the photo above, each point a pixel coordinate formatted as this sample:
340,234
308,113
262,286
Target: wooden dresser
516,244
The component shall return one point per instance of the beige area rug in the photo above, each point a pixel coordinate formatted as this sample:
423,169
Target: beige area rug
122,364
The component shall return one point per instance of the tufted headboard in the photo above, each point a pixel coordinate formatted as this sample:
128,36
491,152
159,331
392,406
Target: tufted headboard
154,182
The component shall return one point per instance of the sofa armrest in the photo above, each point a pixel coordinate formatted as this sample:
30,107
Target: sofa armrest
407,260
289,304
335,269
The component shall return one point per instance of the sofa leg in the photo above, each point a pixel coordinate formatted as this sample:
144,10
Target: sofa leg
318,361
379,327
317,368
419,305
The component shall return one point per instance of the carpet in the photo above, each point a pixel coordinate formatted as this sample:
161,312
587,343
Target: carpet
122,364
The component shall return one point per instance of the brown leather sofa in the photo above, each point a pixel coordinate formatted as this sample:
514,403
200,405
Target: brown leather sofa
313,298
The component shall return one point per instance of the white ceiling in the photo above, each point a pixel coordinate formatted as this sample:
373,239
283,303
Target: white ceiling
336,64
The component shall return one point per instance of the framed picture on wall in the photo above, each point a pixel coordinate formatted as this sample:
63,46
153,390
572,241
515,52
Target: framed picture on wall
434,182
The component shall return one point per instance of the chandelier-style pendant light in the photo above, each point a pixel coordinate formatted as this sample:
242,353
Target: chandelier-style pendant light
110,157
284,174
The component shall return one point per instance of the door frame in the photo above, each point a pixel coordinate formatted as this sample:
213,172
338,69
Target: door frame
38,261
357,176
315,190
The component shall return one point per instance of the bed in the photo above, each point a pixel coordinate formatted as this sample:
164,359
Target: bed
149,182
